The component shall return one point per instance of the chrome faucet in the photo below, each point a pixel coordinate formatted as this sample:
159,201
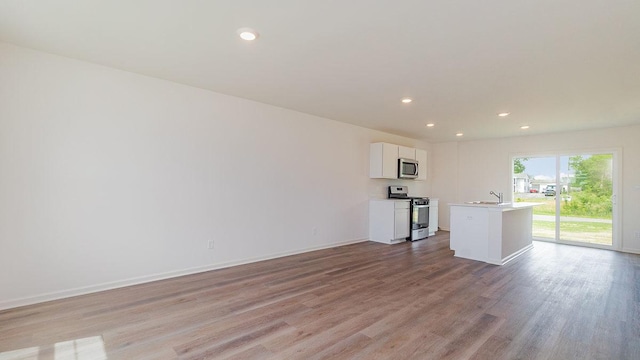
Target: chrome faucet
498,195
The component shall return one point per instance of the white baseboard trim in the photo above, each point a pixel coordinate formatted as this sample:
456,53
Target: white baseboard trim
516,254
10,304
499,261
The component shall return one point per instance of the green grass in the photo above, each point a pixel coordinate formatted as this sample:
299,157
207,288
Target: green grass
573,226
589,232
548,207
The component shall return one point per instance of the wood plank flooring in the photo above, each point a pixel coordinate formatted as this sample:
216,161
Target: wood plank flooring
362,301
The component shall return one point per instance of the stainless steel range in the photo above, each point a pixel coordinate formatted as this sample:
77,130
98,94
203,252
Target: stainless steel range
419,211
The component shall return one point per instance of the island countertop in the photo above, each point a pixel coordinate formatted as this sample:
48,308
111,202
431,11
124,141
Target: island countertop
507,206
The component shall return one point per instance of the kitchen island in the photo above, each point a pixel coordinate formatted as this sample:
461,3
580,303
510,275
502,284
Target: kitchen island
490,232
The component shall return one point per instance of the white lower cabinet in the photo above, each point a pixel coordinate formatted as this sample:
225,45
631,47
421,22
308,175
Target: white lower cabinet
433,216
388,220
401,222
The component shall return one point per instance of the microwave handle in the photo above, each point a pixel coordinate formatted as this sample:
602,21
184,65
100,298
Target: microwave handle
416,173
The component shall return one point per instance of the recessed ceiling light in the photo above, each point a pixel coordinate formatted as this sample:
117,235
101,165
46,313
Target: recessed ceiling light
407,100
524,127
459,134
247,34
503,114
431,125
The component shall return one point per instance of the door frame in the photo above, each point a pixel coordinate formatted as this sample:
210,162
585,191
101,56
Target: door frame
616,196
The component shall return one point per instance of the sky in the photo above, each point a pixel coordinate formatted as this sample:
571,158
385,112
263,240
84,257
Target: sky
546,166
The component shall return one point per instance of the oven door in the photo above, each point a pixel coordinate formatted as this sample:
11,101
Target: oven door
419,216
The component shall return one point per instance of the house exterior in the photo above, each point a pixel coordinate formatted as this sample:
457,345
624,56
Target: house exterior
521,183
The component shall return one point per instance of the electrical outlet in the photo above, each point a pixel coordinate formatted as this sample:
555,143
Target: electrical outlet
314,231
637,234
210,245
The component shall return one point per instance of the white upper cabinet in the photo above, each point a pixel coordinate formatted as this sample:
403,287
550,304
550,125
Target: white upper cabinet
421,156
406,153
383,161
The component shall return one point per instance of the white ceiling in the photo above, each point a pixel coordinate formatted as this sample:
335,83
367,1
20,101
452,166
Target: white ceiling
556,65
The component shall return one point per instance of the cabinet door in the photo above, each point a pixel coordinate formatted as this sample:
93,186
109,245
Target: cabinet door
421,156
406,152
401,230
383,161
390,161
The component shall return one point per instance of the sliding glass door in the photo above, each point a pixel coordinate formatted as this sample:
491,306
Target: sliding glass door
576,193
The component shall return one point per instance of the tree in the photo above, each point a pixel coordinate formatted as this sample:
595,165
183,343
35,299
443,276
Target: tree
518,166
593,174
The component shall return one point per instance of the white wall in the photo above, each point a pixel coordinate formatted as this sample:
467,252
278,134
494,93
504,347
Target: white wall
445,179
468,170
110,178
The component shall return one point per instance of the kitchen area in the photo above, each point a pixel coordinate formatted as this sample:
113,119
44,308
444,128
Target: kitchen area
399,216
492,231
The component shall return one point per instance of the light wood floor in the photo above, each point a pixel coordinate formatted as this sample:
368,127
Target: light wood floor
362,301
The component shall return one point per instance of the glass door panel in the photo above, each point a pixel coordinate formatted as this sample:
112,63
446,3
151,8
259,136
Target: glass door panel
585,193
534,179
575,193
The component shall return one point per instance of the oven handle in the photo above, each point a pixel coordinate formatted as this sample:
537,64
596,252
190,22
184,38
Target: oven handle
420,206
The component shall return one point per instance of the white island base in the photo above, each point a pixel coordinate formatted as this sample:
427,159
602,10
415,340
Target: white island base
494,234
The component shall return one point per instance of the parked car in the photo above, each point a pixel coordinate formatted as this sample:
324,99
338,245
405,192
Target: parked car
533,191
550,190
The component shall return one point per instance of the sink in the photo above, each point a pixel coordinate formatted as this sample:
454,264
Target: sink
485,202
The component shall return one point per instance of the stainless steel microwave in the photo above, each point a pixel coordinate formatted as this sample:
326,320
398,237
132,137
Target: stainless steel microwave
407,169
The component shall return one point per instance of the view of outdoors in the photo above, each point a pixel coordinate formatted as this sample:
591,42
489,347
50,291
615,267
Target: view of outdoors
580,186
